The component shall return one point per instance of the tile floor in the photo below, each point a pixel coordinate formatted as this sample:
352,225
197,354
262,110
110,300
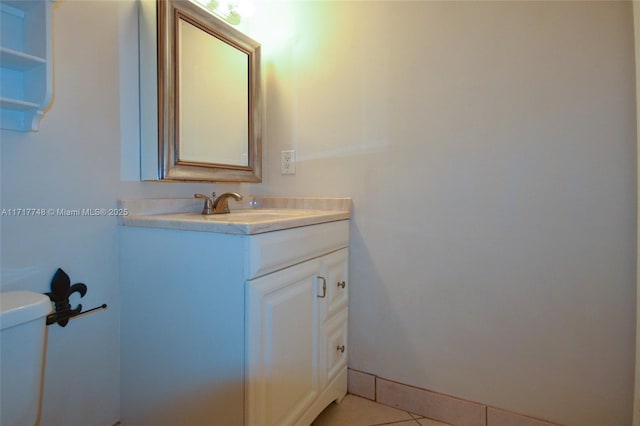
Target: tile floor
357,411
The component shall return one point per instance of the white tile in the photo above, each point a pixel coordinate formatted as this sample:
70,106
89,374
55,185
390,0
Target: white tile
429,422
357,411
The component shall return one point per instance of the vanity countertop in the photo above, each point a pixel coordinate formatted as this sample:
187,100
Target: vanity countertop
253,215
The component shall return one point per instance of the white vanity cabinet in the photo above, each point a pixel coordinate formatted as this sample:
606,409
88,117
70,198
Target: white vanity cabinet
231,330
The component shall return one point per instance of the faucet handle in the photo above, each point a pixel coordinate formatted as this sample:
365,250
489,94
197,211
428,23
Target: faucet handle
208,203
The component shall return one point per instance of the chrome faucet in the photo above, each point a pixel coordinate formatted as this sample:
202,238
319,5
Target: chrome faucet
220,205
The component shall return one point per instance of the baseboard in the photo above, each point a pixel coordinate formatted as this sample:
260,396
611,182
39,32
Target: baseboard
435,405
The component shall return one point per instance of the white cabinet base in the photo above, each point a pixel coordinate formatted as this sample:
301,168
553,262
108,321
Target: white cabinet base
335,391
206,339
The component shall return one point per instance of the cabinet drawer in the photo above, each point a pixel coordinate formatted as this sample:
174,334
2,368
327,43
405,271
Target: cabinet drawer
335,274
334,336
276,250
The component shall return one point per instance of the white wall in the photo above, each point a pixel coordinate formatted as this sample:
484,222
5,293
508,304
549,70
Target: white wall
490,151
84,156
489,148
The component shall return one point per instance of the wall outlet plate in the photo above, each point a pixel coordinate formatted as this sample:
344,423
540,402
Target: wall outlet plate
288,162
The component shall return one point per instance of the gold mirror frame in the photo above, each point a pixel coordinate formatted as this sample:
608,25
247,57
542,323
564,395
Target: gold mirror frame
170,167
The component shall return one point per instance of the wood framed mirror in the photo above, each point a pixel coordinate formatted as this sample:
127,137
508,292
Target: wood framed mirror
207,97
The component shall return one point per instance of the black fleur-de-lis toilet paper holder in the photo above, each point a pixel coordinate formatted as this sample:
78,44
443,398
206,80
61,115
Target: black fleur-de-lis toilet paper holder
61,290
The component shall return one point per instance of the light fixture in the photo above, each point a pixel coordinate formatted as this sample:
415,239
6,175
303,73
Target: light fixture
231,11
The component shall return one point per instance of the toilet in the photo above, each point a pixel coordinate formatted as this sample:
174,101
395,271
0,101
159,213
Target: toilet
22,349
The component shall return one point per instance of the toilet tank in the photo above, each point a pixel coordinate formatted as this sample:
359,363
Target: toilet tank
22,349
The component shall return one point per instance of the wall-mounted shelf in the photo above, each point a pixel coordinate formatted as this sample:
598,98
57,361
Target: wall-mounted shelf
19,61
25,63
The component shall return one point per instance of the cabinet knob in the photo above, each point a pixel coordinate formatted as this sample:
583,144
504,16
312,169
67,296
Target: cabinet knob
340,348
342,284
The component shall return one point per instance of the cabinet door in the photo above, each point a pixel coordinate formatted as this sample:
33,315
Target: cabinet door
282,345
334,271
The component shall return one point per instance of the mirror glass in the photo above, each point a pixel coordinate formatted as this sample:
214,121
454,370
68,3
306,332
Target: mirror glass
213,104
208,97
